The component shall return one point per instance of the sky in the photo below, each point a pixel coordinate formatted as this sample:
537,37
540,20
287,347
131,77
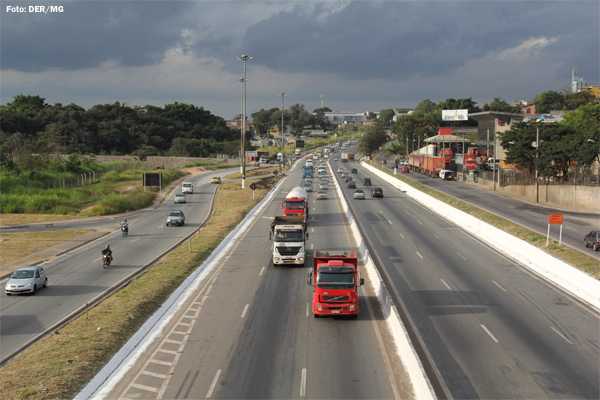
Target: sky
359,55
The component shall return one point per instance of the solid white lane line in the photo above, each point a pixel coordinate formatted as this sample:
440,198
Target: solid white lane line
445,284
489,333
303,383
496,283
461,256
561,335
261,271
245,309
213,384
419,254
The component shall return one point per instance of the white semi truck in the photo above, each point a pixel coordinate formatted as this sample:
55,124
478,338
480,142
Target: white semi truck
289,235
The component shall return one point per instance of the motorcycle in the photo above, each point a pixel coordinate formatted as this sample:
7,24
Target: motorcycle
125,230
105,261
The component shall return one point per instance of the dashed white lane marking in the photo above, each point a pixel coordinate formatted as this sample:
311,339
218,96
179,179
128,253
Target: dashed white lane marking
461,256
489,333
312,230
496,283
419,254
213,384
303,383
445,284
261,271
402,236
561,335
311,246
437,237
307,309
420,223
245,309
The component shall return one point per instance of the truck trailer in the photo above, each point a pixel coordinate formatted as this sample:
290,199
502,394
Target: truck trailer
427,164
296,202
335,280
289,236
344,157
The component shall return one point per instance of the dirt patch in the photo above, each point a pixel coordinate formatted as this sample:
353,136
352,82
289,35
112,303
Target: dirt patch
194,170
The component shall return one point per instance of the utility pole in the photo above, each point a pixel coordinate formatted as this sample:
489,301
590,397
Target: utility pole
282,131
244,58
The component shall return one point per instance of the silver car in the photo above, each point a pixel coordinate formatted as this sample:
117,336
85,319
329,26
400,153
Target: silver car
26,280
180,198
323,185
176,217
359,194
308,187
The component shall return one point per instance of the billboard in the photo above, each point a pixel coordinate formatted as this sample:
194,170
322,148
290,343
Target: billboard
455,115
299,143
153,180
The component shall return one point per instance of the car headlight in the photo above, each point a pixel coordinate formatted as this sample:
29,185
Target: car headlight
29,284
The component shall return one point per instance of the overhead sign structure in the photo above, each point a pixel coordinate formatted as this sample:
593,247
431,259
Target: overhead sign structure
153,180
455,115
554,219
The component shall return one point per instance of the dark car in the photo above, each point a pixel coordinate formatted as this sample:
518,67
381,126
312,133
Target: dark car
354,171
351,185
592,239
377,192
367,182
347,179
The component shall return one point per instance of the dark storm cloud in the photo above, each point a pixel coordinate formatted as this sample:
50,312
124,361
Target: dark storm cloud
401,39
86,34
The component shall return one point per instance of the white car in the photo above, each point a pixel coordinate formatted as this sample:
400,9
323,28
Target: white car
340,170
180,198
26,280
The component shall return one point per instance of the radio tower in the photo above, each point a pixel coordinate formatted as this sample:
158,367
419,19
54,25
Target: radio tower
321,101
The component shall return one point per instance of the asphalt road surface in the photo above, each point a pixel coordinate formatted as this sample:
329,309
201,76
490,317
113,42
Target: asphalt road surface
77,278
492,329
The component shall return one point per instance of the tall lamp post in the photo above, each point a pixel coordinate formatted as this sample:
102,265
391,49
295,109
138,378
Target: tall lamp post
243,80
282,130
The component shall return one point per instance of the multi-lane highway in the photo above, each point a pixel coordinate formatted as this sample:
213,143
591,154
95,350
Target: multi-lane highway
492,329
576,224
77,278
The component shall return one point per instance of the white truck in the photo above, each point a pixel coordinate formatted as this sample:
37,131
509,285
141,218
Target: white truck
187,187
344,157
289,235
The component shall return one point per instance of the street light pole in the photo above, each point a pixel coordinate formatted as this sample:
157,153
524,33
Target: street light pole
537,182
244,58
282,131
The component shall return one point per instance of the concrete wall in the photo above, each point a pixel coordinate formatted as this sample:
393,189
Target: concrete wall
584,198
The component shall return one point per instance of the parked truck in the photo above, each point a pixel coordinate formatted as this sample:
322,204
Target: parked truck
289,235
296,202
335,280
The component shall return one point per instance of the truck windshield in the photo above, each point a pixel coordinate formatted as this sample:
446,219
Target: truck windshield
293,205
288,236
335,281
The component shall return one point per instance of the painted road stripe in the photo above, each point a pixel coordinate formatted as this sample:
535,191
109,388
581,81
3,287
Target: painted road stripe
437,237
496,283
461,256
213,384
445,284
419,254
303,383
561,335
307,309
261,271
401,235
420,223
245,309
489,333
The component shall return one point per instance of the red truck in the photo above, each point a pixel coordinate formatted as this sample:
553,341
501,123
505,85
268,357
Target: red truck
427,164
335,280
296,203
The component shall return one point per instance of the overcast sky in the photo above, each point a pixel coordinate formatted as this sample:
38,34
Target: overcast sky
360,55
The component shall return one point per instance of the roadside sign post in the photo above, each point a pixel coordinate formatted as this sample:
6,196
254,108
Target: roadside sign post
554,219
253,187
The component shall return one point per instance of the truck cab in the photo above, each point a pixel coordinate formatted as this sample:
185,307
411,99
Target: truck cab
289,236
335,280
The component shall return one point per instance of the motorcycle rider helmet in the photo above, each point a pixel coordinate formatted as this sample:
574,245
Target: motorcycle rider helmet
107,247
125,219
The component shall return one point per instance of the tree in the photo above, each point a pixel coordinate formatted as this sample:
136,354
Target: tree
425,107
395,149
385,116
586,121
324,109
499,104
373,139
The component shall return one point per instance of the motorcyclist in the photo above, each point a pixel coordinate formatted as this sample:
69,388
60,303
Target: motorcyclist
125,225
108,252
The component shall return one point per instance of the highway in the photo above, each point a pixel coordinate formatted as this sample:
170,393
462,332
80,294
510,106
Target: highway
492,329
529,215
77,278
248,331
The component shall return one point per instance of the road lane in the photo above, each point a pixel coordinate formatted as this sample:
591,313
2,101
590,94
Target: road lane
463,297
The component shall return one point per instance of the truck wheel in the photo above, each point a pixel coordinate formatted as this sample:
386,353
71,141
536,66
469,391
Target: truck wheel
316,315
596,247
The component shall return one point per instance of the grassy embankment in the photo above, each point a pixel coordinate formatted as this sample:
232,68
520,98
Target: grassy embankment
60,365
116,192
573,257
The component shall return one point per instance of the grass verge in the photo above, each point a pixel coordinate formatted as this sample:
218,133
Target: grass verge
256,172
58,366
16,245
573,257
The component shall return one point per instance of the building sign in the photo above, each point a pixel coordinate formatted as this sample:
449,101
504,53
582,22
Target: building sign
455,115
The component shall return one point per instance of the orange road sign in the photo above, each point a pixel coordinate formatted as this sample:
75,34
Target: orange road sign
555,219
